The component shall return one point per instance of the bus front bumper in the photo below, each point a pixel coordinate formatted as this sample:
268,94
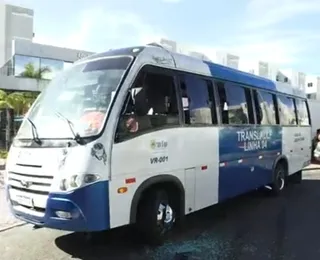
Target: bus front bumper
83,210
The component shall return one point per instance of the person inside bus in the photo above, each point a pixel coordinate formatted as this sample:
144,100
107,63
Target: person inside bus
151,104
96,103
162,101
135,115
316,147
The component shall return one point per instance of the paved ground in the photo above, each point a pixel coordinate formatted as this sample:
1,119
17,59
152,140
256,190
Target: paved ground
6,219
250,227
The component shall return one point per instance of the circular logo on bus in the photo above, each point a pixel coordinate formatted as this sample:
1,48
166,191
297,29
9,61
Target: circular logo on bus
153,144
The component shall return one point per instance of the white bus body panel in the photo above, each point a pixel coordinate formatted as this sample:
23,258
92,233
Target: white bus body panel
314,108
296,146
193,157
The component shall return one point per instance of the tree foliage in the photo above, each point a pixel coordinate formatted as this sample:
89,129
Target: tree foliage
19,101
31,72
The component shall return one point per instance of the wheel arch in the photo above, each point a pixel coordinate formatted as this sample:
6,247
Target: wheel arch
281,159
153,182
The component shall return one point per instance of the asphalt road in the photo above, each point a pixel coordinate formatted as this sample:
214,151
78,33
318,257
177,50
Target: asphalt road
253,226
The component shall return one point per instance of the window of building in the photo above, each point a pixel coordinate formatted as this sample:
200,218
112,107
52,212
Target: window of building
7,68
302,112
286,110
151,104
235,104
49,68
310,84
197,100
26,66
312,96
265,108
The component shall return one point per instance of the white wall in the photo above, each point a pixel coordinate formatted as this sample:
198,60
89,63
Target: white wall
259,68
2,34
22,84
17,23
314,80
296,78
25,47
227,59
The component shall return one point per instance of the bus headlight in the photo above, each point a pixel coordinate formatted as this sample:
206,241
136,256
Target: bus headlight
76,181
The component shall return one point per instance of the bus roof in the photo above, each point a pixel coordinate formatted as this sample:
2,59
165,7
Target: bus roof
207,68
155,53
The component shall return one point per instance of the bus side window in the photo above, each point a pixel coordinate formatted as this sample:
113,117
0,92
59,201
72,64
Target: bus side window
151,105
286,109
265,108
302,112
197,100
235,104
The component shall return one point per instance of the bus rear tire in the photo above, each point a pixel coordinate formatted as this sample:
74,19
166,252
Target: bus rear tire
156,217
279,179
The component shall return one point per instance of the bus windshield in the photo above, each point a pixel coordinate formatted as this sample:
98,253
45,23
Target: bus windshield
80,95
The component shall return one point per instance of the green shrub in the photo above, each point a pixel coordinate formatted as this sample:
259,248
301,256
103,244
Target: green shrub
3,154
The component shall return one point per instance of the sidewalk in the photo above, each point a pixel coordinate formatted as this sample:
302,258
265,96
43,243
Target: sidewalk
312,166
6,218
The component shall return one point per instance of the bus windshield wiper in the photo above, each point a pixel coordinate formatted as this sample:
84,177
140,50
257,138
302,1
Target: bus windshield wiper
34,132
76,135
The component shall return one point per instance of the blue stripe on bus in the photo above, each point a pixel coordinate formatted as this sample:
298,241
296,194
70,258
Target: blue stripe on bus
241,169
230,74
88,205
249,79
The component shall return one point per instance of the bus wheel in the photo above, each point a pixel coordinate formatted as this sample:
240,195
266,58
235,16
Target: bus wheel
279,179
156,216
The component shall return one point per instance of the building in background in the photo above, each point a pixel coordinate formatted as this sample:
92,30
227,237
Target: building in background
227,59
299,80
24,64
15,23
312,87
295,78
260,68
41,56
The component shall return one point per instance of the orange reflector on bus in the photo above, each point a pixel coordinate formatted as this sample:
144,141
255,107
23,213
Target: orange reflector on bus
122,190
130,180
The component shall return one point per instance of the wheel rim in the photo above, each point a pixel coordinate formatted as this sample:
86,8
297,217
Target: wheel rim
165,217
281,180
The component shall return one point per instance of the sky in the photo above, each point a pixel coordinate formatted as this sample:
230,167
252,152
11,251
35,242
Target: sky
284,32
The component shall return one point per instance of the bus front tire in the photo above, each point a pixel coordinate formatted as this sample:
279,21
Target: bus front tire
279,179
156,216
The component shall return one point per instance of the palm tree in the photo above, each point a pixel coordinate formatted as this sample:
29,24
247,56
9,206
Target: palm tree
31,72
29,98
14,101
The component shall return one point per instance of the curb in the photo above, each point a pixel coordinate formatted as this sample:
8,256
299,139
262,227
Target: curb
12,226
311,169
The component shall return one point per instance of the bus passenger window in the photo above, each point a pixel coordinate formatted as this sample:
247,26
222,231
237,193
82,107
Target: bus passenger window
286,109
302,111
197,100
265,108
151,105
233,104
